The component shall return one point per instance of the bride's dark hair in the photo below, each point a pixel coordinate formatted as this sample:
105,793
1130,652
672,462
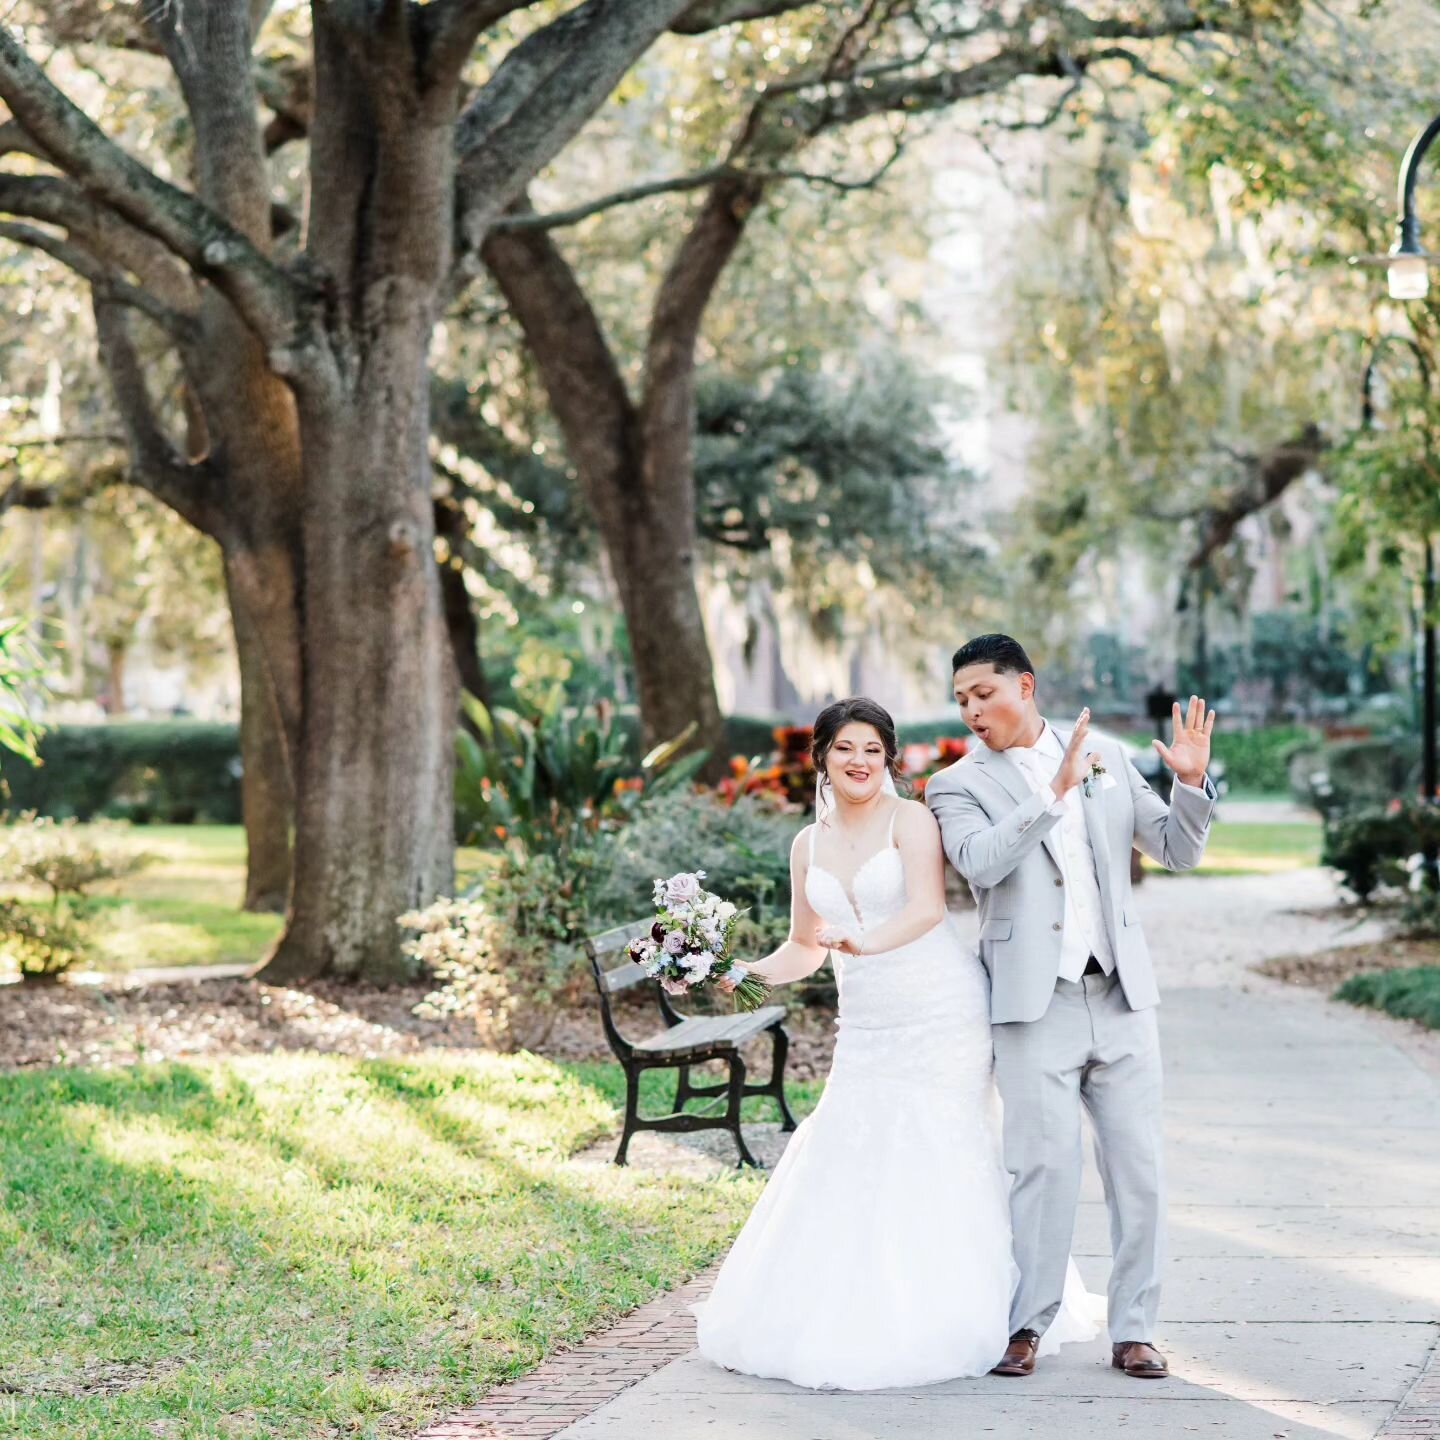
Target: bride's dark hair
857,710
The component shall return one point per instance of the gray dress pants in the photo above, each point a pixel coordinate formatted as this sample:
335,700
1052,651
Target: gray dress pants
1091,1049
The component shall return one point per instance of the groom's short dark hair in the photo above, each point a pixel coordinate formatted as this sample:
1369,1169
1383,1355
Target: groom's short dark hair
1007,655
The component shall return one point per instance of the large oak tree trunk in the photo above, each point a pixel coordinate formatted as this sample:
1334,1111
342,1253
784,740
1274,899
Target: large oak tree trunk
648,531
265,795
375,762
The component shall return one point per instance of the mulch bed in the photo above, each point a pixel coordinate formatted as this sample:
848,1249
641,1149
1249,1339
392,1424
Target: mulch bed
119,1023
1326,969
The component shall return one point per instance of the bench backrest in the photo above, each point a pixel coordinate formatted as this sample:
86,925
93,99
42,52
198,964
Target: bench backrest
604,947
609,943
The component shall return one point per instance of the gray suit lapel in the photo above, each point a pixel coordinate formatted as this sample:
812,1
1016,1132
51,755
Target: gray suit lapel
1000,767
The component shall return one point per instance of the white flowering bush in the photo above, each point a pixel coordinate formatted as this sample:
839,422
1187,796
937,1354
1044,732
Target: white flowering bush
504,956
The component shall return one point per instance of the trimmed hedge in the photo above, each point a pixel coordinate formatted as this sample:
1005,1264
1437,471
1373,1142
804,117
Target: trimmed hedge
1259,759
167,771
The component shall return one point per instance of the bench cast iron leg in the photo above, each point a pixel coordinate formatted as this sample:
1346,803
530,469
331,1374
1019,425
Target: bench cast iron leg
632,1113
732,1113
777,1076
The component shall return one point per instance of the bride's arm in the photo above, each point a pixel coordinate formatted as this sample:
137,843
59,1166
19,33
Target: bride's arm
801,954
923,857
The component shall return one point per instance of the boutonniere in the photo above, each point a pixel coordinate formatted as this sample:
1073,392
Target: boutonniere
1097,771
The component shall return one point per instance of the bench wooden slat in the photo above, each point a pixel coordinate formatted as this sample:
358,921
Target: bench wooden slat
698,1031
609,941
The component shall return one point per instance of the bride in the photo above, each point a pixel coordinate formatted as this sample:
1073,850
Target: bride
879,1253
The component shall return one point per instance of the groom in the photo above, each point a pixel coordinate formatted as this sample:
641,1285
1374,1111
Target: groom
1041,822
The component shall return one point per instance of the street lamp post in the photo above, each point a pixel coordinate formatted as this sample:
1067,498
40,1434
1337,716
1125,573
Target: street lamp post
1408,263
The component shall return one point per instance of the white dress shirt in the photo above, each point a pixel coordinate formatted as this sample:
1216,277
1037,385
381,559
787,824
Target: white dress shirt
1084,932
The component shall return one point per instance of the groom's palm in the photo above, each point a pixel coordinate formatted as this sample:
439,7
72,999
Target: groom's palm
1188,753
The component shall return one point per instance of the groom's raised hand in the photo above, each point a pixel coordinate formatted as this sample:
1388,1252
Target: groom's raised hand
1188,753
1077,759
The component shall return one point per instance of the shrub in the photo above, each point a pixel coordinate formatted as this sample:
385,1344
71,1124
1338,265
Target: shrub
1346,775
743,848
1259,759
42,941
504,955
555,780
1373,845
176,771
1420,915
1412,994
65,858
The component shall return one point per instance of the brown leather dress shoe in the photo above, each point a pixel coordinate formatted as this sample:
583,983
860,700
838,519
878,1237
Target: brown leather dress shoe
1019,1357
1139,1359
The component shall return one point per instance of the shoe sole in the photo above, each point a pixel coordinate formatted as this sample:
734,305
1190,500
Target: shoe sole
1013,1370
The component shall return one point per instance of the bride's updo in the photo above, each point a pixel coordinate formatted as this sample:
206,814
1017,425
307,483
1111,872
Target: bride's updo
857,710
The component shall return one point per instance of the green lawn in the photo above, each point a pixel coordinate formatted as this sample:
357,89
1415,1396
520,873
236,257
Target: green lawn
1261,849
298,1245
184,909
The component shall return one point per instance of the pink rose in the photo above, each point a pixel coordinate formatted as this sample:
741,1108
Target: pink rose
674,987
682,889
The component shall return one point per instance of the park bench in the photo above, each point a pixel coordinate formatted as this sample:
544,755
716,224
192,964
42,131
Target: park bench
686,1040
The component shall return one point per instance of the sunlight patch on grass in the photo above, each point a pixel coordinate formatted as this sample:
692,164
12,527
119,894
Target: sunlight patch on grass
306,1245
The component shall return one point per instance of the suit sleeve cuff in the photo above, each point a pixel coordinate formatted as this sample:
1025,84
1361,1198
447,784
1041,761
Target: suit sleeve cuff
1205,791
1056,803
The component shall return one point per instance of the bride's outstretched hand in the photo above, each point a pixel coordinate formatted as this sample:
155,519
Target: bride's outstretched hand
1188,753
832,937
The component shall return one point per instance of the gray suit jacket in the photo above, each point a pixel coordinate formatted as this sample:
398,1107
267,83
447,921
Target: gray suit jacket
998,835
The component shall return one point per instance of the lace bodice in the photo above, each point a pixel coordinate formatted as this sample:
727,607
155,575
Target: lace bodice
879,889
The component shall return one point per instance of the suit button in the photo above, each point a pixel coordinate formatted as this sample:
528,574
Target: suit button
1057,926
1058,883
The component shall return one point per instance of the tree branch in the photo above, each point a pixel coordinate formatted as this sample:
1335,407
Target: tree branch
265,296
716,14
586,389
157,465
679,184
210,48
288,90
1266,478
103,279
546,88
450,29
56,201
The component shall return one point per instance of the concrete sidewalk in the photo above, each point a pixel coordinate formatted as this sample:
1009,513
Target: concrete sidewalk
1303,1288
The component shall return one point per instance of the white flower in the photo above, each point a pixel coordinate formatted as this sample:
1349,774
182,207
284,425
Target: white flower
725,910
700,965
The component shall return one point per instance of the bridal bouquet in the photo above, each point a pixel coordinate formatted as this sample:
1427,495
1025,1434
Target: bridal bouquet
689,944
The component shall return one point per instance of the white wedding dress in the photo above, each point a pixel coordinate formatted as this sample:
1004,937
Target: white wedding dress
879,1253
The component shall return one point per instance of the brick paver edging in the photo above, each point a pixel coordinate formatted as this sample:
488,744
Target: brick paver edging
574,1383
1418,1414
